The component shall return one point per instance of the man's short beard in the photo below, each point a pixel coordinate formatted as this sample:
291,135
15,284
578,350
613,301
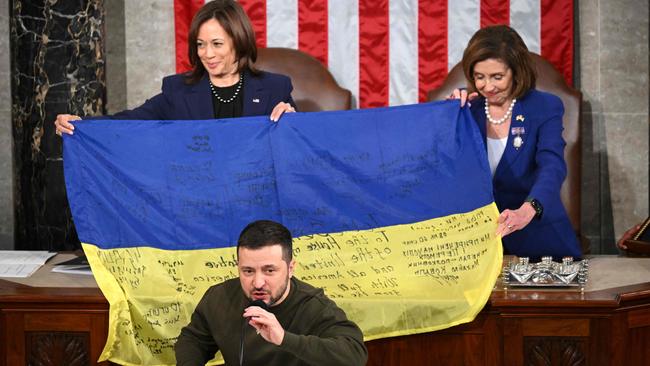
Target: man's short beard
273,299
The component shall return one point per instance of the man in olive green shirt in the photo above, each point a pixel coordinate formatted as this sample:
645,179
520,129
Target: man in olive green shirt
301,326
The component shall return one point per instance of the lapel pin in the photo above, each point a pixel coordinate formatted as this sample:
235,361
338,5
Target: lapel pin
517,132
519,118
256,100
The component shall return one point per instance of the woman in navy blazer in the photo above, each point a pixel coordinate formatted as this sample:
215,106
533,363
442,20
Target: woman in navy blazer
522,129
222,83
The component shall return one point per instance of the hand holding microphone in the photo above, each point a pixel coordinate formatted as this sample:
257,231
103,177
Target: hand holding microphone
259,303
264,322
244,325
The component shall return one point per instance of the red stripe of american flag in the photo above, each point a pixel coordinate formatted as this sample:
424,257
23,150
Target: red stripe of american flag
432,45
184,10
557,35
312,28
256,10
373,53
495,12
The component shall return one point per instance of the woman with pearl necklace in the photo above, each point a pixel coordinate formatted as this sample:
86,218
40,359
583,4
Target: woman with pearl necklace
522,131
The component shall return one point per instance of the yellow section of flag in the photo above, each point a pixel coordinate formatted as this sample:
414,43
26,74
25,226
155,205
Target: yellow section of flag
391,281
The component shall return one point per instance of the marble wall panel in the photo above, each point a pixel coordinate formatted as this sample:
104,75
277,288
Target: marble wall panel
624,56
625,94
150,47
627,151
57,67
613,53
587,52
6,165
587,80
115,57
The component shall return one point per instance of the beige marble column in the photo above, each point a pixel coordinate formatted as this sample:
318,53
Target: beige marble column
138,53
150,48
613,76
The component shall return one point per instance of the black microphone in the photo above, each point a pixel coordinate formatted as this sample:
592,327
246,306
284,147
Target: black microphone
259,303
244,323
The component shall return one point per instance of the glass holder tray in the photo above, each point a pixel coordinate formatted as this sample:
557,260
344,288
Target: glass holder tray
546,273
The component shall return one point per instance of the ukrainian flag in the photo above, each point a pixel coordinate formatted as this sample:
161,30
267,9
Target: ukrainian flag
391,208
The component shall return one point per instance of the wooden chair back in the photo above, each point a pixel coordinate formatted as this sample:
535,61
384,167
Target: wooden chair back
314,87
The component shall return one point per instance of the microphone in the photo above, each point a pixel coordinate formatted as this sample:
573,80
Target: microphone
244,323
259,303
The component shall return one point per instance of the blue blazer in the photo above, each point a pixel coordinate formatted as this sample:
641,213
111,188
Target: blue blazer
179,101
534,170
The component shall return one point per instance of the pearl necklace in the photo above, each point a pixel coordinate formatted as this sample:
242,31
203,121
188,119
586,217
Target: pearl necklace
502,119
234,96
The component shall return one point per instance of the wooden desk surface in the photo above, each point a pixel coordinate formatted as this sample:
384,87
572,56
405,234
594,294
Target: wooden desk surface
605,272
612,280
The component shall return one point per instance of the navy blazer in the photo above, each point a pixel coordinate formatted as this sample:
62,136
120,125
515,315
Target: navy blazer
180,101
534,170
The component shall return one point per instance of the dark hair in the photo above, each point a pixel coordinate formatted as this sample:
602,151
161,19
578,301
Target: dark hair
264,233
503,43
232,17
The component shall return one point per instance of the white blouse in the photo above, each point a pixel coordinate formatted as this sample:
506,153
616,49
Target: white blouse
495,149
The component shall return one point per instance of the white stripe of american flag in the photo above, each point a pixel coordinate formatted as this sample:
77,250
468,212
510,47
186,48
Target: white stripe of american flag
403,52
525,17
282,23
343,44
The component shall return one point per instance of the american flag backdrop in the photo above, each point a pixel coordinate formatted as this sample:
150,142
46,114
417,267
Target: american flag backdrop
392,52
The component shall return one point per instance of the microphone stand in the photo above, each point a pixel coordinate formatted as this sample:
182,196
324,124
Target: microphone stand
261,304
241,342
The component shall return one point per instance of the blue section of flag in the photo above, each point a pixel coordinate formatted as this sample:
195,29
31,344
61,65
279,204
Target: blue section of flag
196,184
